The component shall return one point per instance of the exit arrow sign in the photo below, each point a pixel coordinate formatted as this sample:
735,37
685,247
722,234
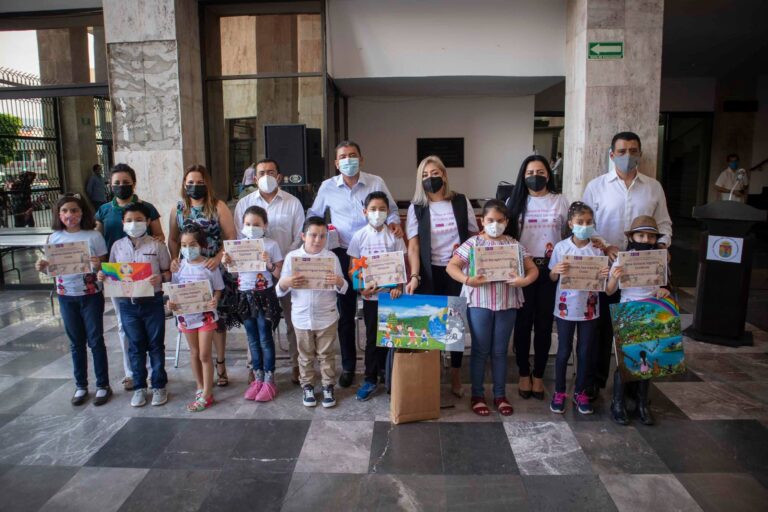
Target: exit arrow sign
606,50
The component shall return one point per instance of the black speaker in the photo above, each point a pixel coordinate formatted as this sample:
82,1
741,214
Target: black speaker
298,151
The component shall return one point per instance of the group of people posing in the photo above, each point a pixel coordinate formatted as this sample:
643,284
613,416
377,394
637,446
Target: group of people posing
623,209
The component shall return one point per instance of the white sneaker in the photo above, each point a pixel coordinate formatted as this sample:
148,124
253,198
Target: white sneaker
159,396
139,398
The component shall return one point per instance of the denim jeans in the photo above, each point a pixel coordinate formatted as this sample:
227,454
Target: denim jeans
144,324
84,324
260,342
587,338
491,331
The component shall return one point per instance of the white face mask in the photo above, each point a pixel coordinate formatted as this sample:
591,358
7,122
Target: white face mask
135,229
495,229
253,232
267,184
376,219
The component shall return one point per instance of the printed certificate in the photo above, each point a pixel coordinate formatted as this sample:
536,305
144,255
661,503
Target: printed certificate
584,273
246,255
189,297
127,280
384,269
68,258
315,270
643,268
496,262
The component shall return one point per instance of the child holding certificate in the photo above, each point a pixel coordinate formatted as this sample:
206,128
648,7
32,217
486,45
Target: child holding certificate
374,238
642,236
313,311
198,327
258,307
81,301
575,310
143,317
492,307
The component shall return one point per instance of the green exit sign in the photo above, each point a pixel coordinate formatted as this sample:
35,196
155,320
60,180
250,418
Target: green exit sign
606,50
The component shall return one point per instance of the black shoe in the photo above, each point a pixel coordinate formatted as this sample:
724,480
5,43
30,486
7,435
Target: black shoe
643,410
101,400
618,412
79,398
592,391
346,379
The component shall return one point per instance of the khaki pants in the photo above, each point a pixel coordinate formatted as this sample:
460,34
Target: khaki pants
320,345
293,351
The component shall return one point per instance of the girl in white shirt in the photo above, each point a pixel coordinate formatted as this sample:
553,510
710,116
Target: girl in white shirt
540,220
198,327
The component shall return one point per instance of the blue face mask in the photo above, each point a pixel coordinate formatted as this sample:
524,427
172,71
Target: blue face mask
734,165
583,232
190,253
349,166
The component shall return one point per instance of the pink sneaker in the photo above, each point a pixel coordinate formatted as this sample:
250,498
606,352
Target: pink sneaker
253,390
267,393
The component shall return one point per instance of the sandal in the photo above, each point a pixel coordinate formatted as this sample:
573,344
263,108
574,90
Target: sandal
223,380
200,404
479,406
503,406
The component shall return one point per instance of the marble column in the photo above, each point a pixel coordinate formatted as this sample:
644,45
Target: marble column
310,59
153,57
603,97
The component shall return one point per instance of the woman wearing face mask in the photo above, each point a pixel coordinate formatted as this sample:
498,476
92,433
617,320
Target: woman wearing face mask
109,220
541,218
199,206
439,221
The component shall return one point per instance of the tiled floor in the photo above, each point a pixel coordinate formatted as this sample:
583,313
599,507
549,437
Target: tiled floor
708,451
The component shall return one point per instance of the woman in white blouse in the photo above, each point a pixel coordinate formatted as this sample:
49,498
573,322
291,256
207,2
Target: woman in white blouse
439,221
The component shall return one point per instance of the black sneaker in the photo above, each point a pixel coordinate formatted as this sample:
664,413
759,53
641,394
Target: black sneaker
102,395
309,399
328,399
80,396
346,379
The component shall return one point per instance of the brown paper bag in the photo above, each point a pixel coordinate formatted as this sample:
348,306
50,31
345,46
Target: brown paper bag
415,386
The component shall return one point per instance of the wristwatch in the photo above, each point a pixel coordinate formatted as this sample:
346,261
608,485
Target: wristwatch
417,276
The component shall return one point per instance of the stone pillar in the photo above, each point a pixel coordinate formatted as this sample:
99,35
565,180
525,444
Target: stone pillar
63,55
310,59
603,97
153,55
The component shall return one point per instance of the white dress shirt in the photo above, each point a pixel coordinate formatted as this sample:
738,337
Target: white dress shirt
346,204
312,310
730,179
616,206
284,214
142,250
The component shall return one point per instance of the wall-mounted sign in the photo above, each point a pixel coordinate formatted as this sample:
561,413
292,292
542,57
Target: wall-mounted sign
724,248
601,50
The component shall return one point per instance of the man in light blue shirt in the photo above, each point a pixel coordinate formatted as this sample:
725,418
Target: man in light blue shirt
345,195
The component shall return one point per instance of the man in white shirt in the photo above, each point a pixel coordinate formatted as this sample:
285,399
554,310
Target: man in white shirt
617,198
286,218
345,196
733,179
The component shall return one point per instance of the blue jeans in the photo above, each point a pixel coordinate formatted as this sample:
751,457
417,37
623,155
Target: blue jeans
260,342
84,324
587,331
491,331
144,324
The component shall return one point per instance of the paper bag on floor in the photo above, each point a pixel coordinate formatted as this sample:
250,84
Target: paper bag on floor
415,386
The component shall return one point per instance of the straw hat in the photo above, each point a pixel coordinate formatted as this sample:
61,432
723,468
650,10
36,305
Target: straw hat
644,224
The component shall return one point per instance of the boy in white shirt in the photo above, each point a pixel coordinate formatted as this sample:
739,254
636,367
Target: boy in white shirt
314,313
374,238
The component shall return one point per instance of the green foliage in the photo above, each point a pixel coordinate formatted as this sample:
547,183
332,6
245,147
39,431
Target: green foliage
10,126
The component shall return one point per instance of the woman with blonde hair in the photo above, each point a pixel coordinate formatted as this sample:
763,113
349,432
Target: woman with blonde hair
439,221
199,206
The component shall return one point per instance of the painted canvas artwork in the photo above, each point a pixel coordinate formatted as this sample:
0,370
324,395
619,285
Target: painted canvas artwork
422,322
648,338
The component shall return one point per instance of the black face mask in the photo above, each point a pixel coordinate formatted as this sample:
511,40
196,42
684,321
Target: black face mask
639,246
196,191
433,184
123,191
536,183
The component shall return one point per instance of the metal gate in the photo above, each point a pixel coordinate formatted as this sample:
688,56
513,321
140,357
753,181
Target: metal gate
30,155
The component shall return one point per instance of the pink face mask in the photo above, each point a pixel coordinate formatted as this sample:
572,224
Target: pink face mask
70,220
